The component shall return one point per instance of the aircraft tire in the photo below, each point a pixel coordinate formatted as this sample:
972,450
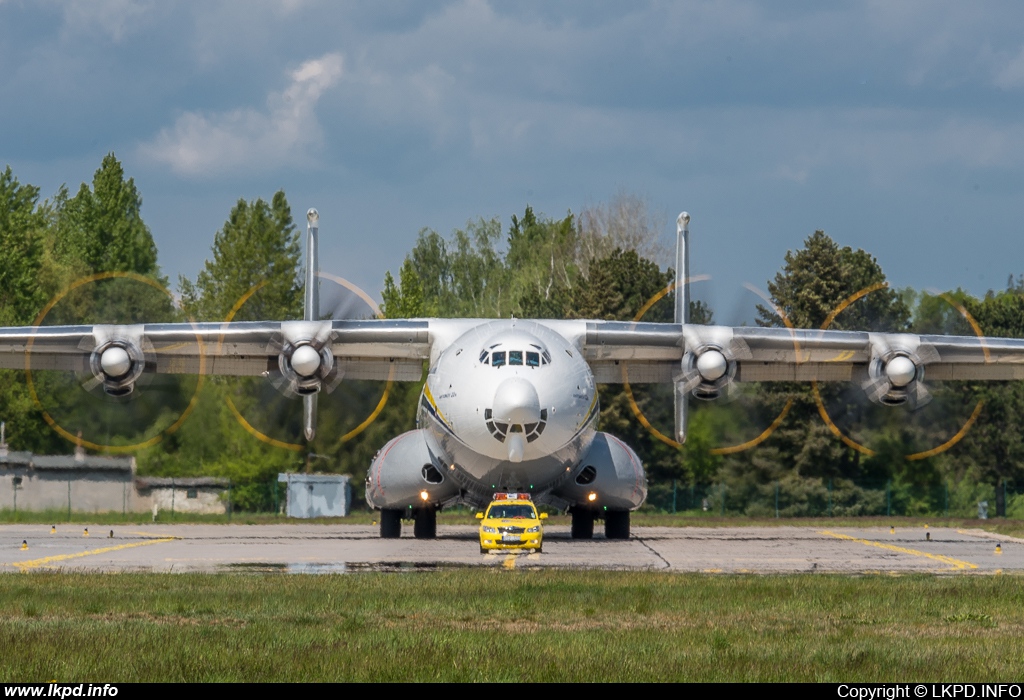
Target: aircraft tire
424,525
582,524
390,524
616,525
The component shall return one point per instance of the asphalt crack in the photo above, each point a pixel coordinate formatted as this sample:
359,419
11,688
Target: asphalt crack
653,551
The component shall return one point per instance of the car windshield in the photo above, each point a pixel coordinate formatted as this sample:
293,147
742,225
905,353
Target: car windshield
512,511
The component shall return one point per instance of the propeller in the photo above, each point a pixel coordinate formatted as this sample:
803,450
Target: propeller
281,408
938,418
126,405
738,420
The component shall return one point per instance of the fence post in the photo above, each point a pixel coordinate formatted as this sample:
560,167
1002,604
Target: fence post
888,497
69,500
277,497
830,497
229,499
673,497
945,497
776,499
721,490
172,498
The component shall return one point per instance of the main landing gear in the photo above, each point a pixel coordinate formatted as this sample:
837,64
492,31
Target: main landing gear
424,523
616,523
390,524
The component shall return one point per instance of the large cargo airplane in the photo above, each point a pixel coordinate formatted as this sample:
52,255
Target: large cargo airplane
510,404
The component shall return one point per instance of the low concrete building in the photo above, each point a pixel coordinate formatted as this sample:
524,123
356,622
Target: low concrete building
203,494
67,483
317,495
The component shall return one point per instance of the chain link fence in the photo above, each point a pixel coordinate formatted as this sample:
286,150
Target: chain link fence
829,497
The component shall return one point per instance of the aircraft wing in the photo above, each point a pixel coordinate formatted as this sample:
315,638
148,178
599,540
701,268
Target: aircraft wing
373,349
656,352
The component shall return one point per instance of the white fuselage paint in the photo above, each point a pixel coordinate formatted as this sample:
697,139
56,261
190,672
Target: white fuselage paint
510,425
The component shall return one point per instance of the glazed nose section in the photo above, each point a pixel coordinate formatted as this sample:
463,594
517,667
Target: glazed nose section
516,402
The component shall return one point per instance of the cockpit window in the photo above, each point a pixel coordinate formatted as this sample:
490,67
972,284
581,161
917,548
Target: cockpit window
536,357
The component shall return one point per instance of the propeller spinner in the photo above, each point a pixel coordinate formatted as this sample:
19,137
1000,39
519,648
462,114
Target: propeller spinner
896,369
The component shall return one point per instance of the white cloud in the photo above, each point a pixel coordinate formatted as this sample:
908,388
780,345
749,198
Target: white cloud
1011,74
115,18
280,135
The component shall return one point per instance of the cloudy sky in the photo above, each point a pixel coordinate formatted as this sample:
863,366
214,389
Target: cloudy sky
895,127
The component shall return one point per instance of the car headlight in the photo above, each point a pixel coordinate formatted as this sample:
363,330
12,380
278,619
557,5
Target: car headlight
487,528
535,528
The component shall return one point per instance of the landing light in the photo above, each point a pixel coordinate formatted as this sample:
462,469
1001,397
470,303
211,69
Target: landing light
424,495
591,496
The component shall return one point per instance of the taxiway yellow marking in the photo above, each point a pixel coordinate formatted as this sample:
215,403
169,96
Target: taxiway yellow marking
34,563
510,562
955,563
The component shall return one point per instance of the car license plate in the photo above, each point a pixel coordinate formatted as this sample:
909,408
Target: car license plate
510,538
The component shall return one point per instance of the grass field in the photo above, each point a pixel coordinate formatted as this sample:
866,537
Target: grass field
496,625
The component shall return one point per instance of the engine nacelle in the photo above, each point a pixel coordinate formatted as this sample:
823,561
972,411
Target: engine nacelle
894,380
714,370
406,473
305,367
117,364
610,475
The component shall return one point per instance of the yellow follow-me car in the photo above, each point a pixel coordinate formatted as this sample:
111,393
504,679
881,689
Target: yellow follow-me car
511,522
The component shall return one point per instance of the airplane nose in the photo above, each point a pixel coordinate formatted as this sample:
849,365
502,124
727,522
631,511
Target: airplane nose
516,401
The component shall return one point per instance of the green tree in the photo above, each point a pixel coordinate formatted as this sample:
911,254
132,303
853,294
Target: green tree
813,283
993,450
22,225
22,294
819,277
256,251
102,227
404,300
258,246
